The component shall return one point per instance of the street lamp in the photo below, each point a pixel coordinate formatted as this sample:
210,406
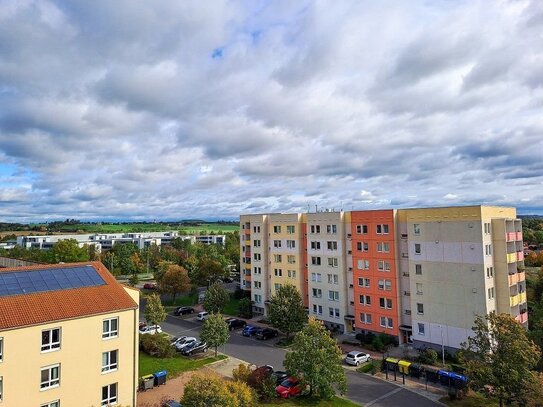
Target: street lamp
442,346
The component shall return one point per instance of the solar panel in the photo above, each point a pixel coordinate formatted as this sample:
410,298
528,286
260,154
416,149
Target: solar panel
62,278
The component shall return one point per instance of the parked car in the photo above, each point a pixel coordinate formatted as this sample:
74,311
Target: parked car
142,324
184,343
195,347
183,311
176,339
171,403
356,357
149,286
150,329
266,333
202,316
249,330
279,376
235,323
289,388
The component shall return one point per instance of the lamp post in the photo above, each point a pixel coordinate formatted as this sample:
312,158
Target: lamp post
442,346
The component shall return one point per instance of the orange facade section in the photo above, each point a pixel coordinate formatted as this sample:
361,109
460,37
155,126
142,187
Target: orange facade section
375,272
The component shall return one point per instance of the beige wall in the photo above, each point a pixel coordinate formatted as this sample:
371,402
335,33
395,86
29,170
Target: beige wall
80,359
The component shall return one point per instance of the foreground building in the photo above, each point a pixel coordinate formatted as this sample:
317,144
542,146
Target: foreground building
421,275
68,337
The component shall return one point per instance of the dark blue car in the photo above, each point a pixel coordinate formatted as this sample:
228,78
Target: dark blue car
249,330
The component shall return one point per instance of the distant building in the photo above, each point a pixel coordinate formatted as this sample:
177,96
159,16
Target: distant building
68,337
417,274
106,241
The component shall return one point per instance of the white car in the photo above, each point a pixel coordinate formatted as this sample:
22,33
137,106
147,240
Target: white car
355,358
202,316
186,342
150,329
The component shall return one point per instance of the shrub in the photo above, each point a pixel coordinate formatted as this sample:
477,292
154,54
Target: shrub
264,384
365,338
428,357
245,308
267,389
240,294
372,367
242,373
388,339
378,344
246,396
156,345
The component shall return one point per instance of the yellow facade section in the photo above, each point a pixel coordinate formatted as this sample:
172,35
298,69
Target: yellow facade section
456,213
79,358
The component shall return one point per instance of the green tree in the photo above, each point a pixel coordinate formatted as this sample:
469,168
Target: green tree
154,311
68,251
216,298
287,312
174,281
208,391
316,359
245,308
501,355
215,331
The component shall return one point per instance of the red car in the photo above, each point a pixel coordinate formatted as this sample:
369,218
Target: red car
289,388
149,286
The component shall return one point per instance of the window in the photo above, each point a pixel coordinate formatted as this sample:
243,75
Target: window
417,248
277,243
315,245
333,295
50,404
419,288
488,249
362,229
50,377
277,258
416,229
109,361
383,265
257,284
256,229
258,298
1,388
278,272
336,312
363,264
363,282
383,247
277,229
291,259
315,260
491,293
1,349
277,286
365,318
257,256
418,269
385,303
320,310
50,339
420,308
315,229
332,261
333,279
332,245
291,230
314,308
316,277
291,244
331,312
364,299
362,246
109,394
292,273
487,228
490,272
258,270
331,229
421,329
317,293
386,322
110,328
256,243
382,229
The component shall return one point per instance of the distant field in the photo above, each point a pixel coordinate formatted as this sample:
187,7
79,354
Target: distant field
134,227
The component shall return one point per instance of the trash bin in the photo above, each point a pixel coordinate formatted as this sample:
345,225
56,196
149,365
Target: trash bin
391,364
415,370
147,382
431,374
160,377
403,366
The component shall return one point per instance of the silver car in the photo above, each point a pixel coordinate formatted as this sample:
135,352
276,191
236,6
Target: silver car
355,358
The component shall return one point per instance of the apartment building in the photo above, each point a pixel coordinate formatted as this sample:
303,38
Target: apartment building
68,337
421,275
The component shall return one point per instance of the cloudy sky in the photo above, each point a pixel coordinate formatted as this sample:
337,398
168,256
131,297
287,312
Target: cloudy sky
176,109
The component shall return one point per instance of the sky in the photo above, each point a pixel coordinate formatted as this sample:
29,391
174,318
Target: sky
188,109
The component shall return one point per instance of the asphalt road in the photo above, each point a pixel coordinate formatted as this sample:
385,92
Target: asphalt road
361,388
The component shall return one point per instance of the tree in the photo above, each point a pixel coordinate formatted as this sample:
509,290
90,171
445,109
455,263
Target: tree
287,312
175,280
316,359
245,308
154,311
500,355
68,251
215,331
216,298
208,391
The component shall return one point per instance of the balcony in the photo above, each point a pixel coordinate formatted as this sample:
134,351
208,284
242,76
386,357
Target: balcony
514,300
522,318
510,236
511,257
520,256
513,279
519,236
522,298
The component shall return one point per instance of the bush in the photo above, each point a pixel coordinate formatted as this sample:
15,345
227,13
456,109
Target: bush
365,338
246,396
373,366
428,357
378,344
245,308
264,384
157,346
242,373
267,389
388,339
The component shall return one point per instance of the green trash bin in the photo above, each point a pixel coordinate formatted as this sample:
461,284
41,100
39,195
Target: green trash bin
147,382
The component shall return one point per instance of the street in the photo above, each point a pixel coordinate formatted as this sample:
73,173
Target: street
362,388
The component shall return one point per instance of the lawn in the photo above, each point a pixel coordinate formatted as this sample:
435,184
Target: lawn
472,400
174,366
191,299
231,308
307,401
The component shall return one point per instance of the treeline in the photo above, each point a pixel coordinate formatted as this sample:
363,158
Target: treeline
532,230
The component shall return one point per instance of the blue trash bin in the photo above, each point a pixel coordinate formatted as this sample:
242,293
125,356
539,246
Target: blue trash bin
160,377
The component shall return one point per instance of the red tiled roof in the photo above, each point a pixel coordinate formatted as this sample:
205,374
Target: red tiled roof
44,307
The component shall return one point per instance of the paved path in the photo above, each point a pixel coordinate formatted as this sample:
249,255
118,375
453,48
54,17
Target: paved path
364,389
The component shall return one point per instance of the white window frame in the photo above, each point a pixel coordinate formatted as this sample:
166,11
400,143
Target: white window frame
418,248
333,295
332,262
422,331
110,400
418,269
1,349
416,229
51,346
291,259
110,333
291,244
55,403
291,229
420,308
51,383
331,245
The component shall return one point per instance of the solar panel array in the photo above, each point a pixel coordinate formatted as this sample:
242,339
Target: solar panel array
51,279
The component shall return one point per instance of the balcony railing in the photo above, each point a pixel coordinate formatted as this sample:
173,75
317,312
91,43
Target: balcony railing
522,318
522,298
513,279
514,300
520,256
510,236
511,257
519,236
